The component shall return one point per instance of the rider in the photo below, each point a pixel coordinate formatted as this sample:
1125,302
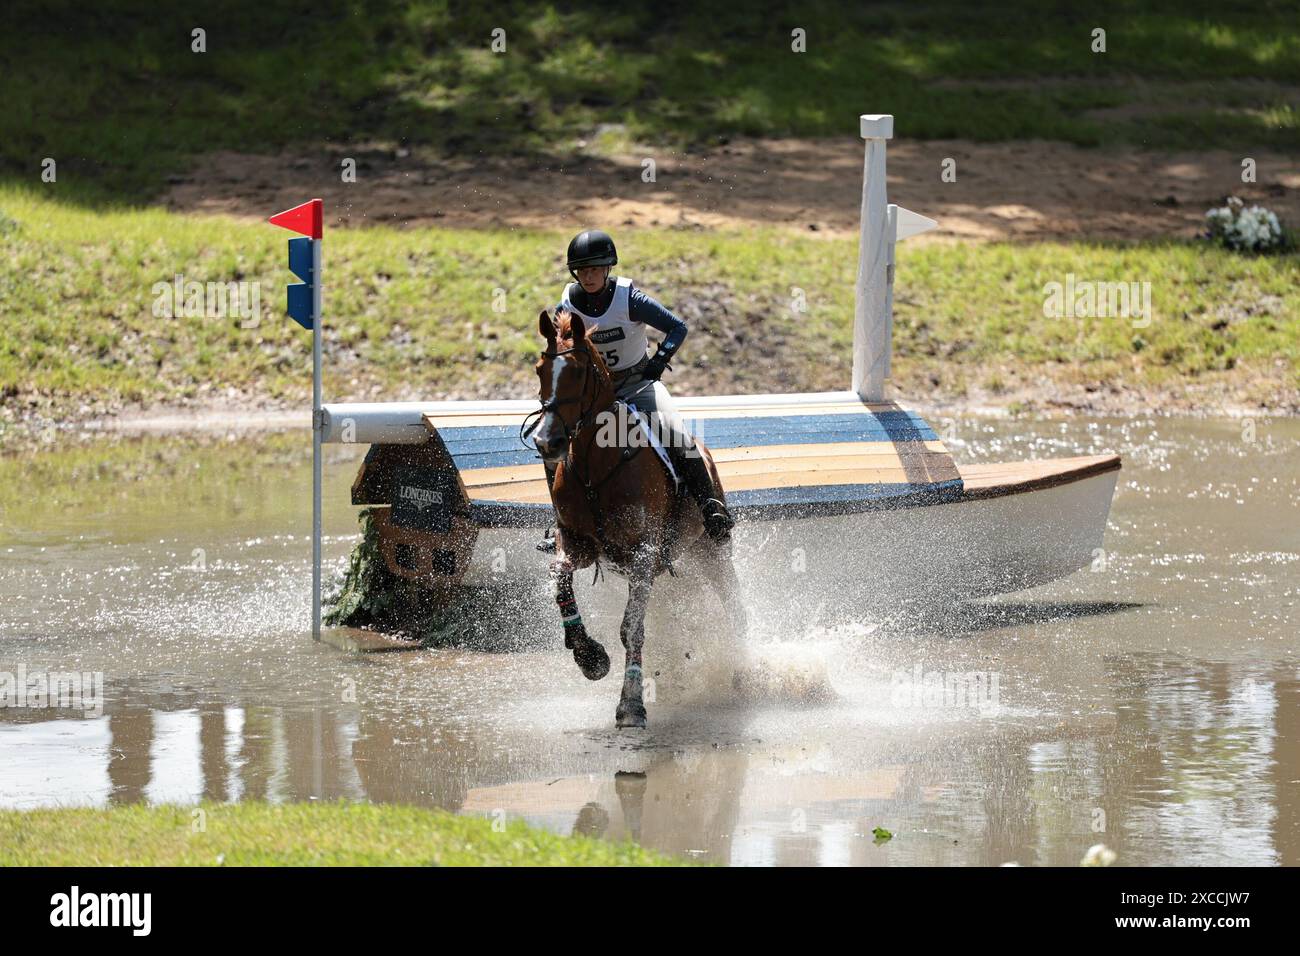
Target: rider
616,315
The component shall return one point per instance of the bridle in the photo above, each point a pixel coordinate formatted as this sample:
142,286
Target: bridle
533,419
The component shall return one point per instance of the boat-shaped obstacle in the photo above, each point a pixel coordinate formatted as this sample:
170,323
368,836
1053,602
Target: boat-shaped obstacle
861,497
845,497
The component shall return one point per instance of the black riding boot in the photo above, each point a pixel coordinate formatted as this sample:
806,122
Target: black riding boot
695,475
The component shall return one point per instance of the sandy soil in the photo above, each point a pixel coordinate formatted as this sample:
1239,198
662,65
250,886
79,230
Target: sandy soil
1003,191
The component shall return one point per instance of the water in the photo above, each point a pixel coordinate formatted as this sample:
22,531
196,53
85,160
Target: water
1149,703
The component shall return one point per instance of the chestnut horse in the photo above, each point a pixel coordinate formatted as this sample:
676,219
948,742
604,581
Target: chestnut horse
615,502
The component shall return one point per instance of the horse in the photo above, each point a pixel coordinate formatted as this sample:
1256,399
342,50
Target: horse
616,503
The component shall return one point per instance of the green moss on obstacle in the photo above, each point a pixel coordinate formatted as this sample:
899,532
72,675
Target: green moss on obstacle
507,615
371,595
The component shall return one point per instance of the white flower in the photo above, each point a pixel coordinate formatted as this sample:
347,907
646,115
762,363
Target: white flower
1237,227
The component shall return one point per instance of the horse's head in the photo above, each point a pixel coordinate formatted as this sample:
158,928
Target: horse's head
572,375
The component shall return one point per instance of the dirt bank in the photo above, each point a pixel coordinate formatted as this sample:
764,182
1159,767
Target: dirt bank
1002,191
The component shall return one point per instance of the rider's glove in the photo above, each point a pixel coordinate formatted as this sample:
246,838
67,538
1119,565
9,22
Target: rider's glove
654,368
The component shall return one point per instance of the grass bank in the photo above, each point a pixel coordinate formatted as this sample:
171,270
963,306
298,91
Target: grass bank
428,313
117,94
298,834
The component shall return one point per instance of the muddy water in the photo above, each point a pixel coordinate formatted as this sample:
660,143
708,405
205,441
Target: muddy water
1151,703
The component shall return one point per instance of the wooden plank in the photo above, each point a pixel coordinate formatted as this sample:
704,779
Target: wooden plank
1003,478
980,480
829,449
926,467
503,475
686,406
863,464
477,480
760,411
479,446
524,492
862,427
514,419
802,479
870,454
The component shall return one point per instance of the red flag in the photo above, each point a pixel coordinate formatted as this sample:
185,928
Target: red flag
304,220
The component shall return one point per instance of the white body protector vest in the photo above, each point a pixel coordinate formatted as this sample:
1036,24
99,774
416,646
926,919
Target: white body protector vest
621,341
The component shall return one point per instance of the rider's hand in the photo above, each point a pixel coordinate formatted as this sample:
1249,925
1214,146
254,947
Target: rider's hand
654,369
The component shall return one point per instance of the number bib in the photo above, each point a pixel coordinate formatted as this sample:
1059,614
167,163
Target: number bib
621,341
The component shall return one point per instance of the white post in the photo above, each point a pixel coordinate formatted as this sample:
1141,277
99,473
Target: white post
871,318
891,236
317,427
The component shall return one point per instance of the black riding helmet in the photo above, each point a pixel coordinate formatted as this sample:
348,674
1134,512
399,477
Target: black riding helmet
591,248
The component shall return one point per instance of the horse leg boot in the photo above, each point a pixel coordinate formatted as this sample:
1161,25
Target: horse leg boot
631,705
587,651
695,474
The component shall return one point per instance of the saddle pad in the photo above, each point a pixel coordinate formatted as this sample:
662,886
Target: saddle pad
657,445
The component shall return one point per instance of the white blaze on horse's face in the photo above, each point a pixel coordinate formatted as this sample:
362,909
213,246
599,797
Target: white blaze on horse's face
549,437
557,366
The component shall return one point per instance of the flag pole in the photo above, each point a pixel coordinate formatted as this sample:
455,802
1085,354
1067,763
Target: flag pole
316,424
303,306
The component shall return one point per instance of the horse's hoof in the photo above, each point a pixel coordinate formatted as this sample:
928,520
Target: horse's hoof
631,715
591,658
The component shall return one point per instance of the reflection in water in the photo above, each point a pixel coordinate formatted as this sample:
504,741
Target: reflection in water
1153,705
1198,764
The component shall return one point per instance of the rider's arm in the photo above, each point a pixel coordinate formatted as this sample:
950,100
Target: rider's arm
642,308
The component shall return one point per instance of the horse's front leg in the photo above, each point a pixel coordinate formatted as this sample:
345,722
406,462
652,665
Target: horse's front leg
631,706
587,651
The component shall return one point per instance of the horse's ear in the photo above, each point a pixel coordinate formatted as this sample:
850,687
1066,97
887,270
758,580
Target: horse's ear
545,327
577,328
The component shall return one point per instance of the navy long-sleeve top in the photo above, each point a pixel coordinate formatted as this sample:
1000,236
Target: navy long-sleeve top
640,307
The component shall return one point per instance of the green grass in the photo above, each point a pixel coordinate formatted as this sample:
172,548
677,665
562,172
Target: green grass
298,834
409,313
112,91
